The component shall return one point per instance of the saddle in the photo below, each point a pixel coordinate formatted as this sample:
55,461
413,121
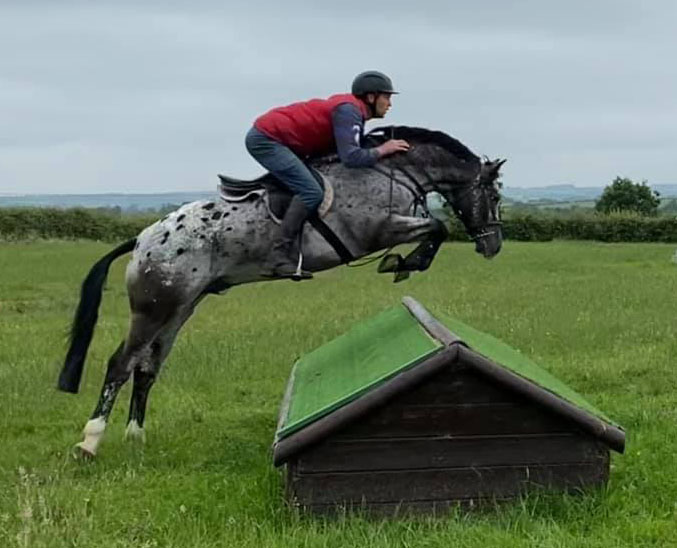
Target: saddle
277,198
275,195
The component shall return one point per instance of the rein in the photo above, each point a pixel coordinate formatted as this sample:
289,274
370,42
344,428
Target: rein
418,192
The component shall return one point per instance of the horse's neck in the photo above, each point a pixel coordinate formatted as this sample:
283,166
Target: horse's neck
415,178
438,176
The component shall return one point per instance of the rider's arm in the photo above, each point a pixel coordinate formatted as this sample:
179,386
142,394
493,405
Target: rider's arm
348,124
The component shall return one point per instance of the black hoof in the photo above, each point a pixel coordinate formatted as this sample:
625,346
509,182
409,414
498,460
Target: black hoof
401,276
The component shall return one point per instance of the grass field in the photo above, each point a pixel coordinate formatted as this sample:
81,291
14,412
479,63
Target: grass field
601,317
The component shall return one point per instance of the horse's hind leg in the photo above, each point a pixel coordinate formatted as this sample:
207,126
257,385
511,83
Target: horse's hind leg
145,373
143,381
135,350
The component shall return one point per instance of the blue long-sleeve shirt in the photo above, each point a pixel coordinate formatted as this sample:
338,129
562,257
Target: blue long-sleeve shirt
348,132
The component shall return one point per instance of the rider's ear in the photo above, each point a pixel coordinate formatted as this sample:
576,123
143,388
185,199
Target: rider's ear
371,98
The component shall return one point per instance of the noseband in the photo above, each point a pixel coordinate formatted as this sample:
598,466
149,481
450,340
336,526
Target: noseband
496,224
487,229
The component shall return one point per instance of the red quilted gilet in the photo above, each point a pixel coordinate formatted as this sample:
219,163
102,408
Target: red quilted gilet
306,127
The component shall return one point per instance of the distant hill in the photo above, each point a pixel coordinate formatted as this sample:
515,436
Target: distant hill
555,193
149,202
571,193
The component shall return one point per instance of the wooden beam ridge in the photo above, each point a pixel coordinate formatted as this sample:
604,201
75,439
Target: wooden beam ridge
614,437
436,329
320,429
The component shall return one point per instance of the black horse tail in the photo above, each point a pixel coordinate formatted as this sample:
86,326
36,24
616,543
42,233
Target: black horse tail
86,315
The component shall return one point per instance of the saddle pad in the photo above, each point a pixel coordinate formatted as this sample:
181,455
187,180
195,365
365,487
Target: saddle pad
327,199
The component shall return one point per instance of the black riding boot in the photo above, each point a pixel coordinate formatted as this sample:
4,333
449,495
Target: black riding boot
283,261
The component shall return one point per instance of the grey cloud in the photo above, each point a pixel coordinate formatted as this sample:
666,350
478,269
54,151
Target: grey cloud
158,95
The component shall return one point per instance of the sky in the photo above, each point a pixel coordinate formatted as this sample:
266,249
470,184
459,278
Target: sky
156,96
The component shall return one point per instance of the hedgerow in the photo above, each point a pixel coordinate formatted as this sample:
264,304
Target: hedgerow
23,223
91,224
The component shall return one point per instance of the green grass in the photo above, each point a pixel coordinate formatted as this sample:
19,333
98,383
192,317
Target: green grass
601,317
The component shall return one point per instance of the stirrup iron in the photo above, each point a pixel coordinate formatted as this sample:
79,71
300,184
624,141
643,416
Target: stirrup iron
300,274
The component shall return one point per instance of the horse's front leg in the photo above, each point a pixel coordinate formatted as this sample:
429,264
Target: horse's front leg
431,231
400,229
422,257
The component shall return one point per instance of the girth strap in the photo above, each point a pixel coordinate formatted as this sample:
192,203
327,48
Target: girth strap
332,239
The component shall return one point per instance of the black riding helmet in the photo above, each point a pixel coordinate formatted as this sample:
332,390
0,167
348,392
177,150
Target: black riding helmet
372,81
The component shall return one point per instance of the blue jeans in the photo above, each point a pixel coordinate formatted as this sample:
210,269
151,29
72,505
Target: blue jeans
286,166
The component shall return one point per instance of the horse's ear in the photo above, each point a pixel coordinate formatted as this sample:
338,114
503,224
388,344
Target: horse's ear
496,165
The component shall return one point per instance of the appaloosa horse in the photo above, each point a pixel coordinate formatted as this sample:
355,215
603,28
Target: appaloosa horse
208,246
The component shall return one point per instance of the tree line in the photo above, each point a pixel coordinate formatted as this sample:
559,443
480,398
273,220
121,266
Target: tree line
625,212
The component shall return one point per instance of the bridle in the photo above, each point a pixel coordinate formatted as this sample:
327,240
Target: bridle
486,229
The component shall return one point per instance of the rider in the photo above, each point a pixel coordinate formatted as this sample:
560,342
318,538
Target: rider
283,137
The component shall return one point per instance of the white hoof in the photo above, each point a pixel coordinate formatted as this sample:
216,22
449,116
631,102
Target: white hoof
93,433
135,433
82,452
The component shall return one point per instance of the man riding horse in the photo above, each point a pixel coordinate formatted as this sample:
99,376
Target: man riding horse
209,246
283,137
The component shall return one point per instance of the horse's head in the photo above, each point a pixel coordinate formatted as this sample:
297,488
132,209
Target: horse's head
447,166
477,206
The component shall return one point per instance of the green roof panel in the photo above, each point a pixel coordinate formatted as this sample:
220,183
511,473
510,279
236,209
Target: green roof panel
343,369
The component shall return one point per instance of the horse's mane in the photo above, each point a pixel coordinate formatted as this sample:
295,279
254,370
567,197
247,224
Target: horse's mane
415,136
421,136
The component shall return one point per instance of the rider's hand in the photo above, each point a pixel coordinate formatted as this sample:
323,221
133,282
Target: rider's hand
392,146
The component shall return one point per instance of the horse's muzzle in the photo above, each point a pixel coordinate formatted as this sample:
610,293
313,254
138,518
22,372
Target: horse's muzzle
488,240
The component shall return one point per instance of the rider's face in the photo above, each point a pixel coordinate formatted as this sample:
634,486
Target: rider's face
381,103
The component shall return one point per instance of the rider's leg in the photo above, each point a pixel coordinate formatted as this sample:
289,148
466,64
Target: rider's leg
290,170
283,260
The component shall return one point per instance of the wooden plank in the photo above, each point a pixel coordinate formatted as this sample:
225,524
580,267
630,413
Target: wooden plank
439,508
442,484
424,453
456,385
400,420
